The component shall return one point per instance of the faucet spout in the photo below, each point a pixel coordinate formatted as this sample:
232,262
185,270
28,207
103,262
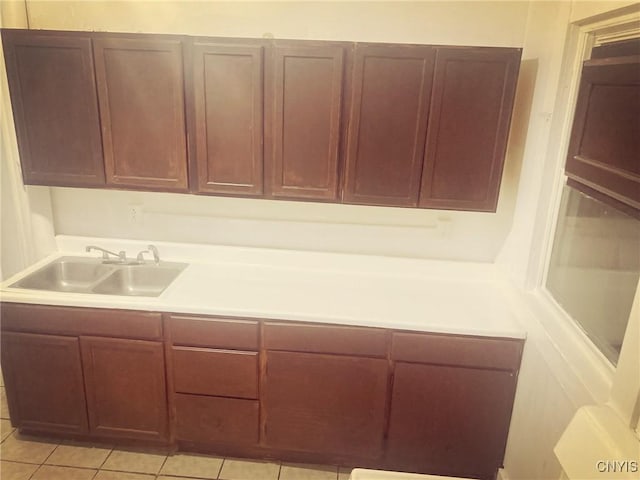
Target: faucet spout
156,255
121,256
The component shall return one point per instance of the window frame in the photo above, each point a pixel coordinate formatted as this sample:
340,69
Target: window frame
604,380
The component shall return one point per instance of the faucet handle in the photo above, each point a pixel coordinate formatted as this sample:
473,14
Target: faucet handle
140,257
121,255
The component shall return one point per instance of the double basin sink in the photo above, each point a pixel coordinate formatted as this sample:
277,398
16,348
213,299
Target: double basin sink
91,275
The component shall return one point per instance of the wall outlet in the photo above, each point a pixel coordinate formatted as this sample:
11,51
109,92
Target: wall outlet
135,214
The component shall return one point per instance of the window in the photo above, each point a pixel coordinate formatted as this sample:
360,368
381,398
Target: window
595,260
594,268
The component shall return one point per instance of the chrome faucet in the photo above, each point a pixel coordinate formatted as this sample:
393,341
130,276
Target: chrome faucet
120,257
150,249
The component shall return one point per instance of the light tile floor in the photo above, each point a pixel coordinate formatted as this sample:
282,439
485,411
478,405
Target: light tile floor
30,458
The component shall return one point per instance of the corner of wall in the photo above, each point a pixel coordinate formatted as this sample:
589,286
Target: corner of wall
27,217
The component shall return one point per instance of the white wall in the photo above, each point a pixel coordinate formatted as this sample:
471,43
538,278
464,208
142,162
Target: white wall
561,369
27,219
388,231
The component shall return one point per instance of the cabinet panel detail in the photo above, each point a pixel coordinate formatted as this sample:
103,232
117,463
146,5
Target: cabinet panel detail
22,317
214,333
387,124
471,103
55,107
228,98
325,403
43,376
449,420
225,373
141,94
125,385
305,96
206,420
325,339
457,350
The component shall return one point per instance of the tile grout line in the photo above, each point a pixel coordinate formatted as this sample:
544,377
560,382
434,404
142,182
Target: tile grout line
220,469
166,457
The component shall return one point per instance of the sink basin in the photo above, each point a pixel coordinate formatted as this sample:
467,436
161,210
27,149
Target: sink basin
66,274
140,280
90,275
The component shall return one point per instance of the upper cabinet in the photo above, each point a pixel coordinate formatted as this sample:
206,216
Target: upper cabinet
226,117
604,151
304,88
55,107
141,94
373,124
471,103
387,124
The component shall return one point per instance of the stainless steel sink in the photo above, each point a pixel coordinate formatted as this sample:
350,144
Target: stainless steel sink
90,275
139,280
66,274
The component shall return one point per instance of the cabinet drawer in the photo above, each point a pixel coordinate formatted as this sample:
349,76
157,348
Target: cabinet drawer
215,372
218,333
325,339
216,420
72,321
457,350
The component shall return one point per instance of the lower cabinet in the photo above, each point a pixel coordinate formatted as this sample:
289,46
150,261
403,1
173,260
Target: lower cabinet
43,378
125,385
325,404
449,420
451,402
213,373
406,401
83,380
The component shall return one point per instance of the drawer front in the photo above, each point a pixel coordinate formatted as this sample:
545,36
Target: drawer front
18,317
216,420
215,372
457,350
325,339
213,333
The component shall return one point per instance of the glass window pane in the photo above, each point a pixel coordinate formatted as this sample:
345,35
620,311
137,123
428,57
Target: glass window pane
594,268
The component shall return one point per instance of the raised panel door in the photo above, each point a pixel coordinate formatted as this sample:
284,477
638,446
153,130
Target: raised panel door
125,385
44,383
305,84
227,116
325,404
471,104
55,107
387,124
449,420
141,95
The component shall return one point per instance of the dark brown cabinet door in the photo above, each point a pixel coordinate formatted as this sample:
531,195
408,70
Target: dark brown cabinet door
304,85
604,151
216,420
449,420
55,108
227,117
43,376
471,103
387,124
125,385
326,404
141,95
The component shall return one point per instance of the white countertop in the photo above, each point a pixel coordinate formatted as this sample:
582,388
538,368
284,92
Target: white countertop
400,293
